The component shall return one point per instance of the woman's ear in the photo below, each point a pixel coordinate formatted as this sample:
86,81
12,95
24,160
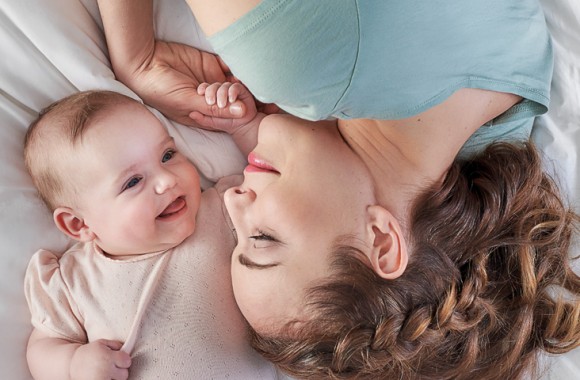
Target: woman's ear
388,254
72,225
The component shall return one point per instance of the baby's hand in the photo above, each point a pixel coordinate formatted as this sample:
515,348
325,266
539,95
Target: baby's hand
222,93
235,97
100,360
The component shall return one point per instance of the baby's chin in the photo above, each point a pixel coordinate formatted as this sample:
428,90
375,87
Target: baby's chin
187,232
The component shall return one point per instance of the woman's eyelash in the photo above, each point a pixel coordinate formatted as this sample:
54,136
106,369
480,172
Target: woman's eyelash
262,236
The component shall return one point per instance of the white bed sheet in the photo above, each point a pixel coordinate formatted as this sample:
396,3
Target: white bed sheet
51,48
558,134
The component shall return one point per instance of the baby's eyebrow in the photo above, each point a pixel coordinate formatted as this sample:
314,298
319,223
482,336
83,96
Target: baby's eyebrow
169,138
121,177
245,261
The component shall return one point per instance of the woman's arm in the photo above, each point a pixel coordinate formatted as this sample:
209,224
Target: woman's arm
53,358
164,74
216,15
129,32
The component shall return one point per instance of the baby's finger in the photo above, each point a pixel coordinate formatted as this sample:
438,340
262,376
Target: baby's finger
201,88
112,344
210,93
122,359
222,94
234,92
120,374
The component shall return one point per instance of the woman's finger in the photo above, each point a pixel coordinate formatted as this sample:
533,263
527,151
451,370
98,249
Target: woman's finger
222,94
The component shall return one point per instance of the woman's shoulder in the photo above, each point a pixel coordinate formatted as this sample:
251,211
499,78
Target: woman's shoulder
274,51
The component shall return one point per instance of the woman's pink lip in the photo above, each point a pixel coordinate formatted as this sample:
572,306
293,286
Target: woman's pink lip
257,164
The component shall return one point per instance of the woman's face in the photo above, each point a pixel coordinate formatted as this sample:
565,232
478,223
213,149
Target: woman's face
303,189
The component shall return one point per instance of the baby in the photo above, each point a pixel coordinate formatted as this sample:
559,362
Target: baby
146,287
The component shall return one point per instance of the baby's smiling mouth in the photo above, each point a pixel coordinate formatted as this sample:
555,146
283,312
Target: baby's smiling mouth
175,207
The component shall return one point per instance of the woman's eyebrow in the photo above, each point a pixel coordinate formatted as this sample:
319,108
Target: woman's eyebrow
245,261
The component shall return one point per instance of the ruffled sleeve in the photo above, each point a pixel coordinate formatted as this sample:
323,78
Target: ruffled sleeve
52,307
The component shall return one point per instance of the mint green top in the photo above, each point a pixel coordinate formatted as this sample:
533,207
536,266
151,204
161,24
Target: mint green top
386,59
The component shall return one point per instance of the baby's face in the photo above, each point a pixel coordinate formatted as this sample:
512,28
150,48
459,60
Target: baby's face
138,194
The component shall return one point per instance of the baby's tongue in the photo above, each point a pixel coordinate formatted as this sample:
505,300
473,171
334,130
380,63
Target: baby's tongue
175,206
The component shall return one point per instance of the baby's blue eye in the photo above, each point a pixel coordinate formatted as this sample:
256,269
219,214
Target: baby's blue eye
168,155
132,182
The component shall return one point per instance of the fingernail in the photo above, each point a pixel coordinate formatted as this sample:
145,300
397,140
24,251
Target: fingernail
236,109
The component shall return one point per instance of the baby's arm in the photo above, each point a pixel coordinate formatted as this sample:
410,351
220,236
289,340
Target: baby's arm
221,95
54,358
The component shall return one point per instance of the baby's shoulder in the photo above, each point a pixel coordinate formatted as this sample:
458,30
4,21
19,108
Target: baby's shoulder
45,263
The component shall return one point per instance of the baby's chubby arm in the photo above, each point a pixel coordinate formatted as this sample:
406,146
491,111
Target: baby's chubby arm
244,130
54,358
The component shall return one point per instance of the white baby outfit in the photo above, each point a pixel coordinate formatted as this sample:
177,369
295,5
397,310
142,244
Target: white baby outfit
174,309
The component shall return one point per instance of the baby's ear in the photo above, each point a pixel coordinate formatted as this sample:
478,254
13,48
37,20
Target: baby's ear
388,255
71,225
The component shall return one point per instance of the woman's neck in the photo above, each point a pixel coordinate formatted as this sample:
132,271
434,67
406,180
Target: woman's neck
405,156
400,167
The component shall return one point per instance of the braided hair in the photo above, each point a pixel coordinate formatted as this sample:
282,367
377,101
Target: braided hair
488,286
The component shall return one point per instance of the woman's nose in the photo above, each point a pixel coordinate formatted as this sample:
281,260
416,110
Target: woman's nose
239,197
165,180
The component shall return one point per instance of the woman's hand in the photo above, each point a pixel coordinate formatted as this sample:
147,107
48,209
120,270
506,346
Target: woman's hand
168,79
164,74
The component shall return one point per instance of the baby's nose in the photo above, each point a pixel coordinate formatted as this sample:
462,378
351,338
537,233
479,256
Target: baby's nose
165,181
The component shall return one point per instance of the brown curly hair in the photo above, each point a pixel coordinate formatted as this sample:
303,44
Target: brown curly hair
488,286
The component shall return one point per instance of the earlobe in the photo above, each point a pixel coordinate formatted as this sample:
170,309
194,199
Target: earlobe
388,255
71,225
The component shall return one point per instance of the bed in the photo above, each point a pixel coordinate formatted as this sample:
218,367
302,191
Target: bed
52,48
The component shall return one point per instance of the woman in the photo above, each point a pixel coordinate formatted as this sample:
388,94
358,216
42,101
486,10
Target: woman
336,285
365,248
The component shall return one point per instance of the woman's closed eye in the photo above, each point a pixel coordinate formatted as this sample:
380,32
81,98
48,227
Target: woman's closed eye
263,240
262,236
